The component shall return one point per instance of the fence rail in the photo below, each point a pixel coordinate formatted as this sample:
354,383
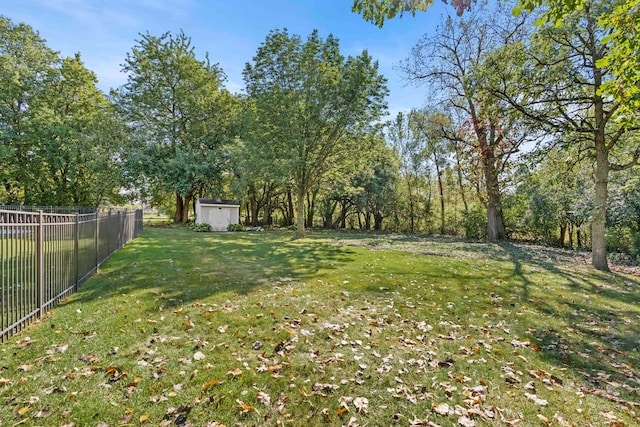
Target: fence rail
44,257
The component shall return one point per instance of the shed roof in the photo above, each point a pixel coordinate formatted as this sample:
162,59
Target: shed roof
218,202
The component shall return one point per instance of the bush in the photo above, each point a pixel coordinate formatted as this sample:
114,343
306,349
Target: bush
200,227
475,223
235,227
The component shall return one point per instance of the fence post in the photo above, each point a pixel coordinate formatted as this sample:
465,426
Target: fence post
97,239
40,251
76,248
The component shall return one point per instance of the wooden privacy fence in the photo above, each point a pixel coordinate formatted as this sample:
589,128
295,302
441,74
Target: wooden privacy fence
44,257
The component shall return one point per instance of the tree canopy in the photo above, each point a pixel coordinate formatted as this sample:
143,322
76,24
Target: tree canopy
311,105
180,115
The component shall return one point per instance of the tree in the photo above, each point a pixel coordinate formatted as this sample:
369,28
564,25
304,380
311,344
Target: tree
27,67
622,26
60,137
451,63
556,84
621,23
410,151
430,128
180,115
378,11
310,103
378,183
77,143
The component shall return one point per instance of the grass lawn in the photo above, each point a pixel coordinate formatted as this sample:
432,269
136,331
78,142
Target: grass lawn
255,329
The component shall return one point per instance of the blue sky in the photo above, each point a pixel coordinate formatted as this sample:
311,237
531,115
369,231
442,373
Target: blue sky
103,31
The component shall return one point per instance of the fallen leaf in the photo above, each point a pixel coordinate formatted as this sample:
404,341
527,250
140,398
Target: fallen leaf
234,373
535,399
199,356
212,383
245,406
264,398
442,409
126,418
361,404
560,419
543,419
41,413
144,417
465,421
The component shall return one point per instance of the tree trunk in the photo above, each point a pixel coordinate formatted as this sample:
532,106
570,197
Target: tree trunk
290,209
311,208
563,233
185,209
330,208
266,213
578,237
343,214
377,218
177,218
253,210
367,220
601,176
441,191
411,207
598,226
495,221
300,212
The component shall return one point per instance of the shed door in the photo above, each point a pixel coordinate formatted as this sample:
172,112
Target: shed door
220,218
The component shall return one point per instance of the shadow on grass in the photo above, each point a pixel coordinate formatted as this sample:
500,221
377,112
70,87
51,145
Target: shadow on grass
184,266
578,318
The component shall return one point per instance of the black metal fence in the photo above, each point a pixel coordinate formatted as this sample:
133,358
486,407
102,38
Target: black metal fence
44,257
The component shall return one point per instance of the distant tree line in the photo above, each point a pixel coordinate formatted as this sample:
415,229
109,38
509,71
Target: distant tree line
519,140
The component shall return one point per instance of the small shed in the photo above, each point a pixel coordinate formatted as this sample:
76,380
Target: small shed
217,213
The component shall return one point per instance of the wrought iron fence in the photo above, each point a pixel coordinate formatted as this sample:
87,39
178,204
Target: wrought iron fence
44,257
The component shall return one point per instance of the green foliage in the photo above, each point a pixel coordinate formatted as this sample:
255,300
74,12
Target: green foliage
474,223
200,228
180,116
623,59
236,227
309,106
378,11
60,137
622,26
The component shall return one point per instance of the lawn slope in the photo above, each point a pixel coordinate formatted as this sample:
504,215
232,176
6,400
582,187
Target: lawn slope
204,329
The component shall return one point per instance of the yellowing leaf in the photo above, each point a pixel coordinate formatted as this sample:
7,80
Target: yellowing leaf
236,372
23,410
212,383
144,417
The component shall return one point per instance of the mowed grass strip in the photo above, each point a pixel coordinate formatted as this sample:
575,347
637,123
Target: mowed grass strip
204,329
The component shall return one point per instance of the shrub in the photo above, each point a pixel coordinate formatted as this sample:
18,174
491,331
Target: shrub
235,227
200,227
